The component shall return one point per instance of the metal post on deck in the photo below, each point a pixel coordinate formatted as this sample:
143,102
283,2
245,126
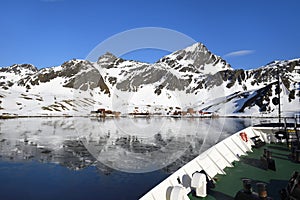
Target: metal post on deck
296,130
287,133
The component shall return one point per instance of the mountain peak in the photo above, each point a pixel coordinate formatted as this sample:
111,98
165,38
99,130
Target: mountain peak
196,48
106,57
107,60
18,68
198,57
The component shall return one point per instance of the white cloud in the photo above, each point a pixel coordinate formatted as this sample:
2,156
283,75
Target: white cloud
239,53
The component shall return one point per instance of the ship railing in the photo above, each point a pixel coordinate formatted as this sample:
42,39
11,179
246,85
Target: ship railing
213,161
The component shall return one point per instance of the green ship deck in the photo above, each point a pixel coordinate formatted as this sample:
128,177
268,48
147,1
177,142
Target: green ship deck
249,166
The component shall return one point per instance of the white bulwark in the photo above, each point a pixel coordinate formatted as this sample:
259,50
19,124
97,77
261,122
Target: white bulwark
213,161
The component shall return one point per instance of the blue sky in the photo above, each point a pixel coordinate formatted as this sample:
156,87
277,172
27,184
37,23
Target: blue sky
247,34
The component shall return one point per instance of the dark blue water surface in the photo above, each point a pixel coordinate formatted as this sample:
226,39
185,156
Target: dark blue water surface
35,180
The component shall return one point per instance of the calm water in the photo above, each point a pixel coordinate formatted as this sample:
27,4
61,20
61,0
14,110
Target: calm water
80,158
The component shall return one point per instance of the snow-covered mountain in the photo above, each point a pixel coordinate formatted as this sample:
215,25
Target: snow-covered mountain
189,78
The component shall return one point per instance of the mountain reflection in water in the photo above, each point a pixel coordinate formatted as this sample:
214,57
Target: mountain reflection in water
128,155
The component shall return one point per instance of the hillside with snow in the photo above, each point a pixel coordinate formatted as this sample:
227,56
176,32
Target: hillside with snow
191,78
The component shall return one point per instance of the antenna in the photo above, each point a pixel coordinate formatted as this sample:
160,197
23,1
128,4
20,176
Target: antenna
279,103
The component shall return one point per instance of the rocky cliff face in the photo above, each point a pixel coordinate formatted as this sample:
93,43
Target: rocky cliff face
192,77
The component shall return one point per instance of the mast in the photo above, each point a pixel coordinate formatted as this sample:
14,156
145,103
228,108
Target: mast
279,103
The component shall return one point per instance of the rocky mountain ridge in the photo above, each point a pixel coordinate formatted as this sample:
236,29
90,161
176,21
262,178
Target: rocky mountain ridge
189,78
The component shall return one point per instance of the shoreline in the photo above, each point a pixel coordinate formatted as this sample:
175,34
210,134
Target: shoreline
3,117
